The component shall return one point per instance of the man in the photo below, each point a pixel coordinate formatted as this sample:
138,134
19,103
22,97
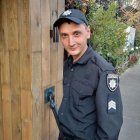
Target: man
91,107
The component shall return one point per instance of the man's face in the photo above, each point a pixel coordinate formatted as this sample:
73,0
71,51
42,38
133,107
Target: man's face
74,38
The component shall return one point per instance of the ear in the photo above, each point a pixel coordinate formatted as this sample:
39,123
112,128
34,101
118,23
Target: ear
88,32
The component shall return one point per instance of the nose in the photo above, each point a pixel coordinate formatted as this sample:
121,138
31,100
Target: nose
71,41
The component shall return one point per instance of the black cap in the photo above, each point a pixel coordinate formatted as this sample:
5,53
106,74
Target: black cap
73,15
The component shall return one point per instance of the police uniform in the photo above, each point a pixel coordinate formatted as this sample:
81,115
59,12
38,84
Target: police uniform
91,107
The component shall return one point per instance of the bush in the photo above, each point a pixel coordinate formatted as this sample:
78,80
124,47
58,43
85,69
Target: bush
109,34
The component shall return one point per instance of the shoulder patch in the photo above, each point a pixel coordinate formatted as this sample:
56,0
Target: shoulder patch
112,81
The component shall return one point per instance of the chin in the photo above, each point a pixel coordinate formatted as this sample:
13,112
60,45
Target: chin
73,53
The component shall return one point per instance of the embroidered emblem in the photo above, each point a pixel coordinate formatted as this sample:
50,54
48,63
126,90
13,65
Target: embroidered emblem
111,105
112,81
66,13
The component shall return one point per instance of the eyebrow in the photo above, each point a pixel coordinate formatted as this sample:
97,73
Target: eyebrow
63,34
76,31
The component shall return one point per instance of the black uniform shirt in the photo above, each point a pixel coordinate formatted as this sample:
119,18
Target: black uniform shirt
91,107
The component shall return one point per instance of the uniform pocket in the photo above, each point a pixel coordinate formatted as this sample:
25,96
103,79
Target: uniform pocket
82,88
84,97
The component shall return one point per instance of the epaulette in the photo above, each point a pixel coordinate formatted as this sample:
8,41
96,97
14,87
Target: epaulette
101,62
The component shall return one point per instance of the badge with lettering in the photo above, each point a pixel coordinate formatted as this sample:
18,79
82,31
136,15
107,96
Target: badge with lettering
66,13
112,81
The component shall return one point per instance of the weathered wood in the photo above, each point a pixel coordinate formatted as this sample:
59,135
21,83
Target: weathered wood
24,25
24,45
1,118
6,107
1,46
5,70
29,63
58,97
15,94
35,25
26,114
60,49
6,96
35,12
25,70
54,68
11,7
1,111
45,18
36,93
60,58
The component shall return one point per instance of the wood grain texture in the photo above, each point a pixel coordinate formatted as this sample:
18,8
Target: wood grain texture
30,62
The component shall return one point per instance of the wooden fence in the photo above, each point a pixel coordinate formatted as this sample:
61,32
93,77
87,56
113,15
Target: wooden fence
29,63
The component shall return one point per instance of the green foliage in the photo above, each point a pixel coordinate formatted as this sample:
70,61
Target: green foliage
137,39
109,34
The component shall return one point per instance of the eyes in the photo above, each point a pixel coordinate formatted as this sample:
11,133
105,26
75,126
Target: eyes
75,34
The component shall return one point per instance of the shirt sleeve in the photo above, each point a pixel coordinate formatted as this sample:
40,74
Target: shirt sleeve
109,107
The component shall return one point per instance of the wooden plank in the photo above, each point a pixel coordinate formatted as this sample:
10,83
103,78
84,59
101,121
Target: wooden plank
14,71
15,94
11,7
4,25
60,57
35,17
26,114
24,25
6,107
59,90
45,18
6,102
59,94
1,111
54,68
24,44
61,6
56,64
25,69
5,73
1,46
1,118
58,98
1,30
36,93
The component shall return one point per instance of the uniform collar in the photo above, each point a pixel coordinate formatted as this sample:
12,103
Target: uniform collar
85,57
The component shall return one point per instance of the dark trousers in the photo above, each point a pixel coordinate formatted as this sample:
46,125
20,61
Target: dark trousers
66,137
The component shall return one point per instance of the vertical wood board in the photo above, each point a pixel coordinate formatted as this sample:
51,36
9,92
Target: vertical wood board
26,114
54,68
12,15
6,107
45,21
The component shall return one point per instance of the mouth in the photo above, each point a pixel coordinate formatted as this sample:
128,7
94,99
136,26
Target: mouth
73,48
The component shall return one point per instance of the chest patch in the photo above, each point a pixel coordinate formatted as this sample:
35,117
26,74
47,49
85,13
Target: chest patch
112,81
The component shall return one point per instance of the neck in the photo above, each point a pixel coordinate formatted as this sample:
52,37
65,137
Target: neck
76,58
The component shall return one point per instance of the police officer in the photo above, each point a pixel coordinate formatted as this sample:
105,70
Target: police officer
91,107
